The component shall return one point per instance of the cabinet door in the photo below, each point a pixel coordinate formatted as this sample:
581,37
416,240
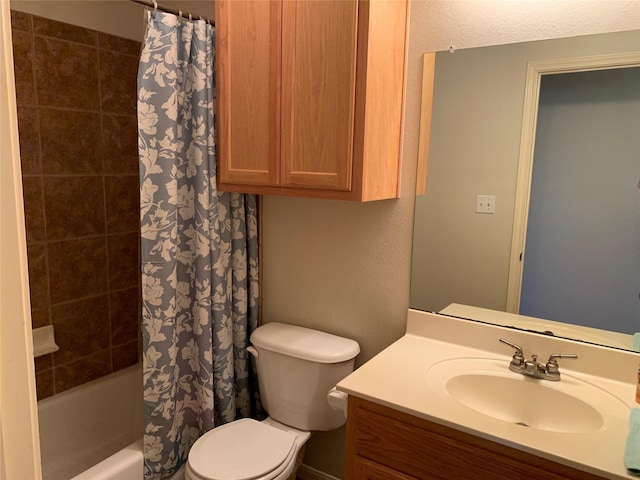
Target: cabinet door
318,93
380,440
248,91
367,470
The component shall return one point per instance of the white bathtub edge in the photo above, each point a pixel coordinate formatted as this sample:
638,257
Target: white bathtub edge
125,464
84,425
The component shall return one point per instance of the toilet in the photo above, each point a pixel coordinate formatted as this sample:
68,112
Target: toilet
297,370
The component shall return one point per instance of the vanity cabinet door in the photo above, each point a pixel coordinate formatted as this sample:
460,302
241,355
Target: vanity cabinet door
380,439
367,470
310,97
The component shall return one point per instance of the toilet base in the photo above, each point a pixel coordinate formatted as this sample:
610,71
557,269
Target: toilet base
299,459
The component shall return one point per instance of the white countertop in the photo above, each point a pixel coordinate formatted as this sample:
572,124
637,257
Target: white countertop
397,378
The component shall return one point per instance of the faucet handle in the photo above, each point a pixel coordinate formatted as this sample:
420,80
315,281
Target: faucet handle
518,356
552,363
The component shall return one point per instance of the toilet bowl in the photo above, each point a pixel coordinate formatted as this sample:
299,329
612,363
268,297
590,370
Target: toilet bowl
247,450
297,370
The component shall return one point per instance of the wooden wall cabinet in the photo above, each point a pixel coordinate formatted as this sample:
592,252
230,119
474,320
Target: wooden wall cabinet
310,97
384,444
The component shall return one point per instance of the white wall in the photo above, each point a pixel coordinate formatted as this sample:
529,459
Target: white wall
476,23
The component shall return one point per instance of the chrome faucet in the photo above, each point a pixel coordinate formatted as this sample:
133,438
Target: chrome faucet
533,368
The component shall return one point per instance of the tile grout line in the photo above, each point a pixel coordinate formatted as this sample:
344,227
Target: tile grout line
104,199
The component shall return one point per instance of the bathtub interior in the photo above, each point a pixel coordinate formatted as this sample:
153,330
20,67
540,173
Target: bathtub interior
82,426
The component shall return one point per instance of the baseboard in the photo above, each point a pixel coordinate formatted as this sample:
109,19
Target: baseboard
305,472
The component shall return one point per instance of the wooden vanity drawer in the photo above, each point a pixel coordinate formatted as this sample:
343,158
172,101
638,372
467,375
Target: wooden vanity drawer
380,438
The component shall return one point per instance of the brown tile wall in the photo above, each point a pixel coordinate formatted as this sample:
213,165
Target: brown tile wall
76,92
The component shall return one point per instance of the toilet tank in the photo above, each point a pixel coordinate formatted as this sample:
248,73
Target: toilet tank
297,367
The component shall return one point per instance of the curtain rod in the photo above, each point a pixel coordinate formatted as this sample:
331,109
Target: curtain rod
153,4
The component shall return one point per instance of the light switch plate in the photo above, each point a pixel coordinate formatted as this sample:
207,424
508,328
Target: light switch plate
485,204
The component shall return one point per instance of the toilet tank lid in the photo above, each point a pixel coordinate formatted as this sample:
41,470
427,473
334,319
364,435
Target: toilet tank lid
304,343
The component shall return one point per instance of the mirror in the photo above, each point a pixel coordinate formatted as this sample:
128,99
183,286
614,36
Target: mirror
478,123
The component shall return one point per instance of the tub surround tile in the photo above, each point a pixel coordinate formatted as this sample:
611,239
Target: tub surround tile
125,355
69,143
44,362
21,21
118,44
44,384
23,67
33,209
120,144
74,206
29,136
77,268
82,370
40,318
118,82
124,315
81,328
64,31
123,203
66,74
38,278
124,263
82,280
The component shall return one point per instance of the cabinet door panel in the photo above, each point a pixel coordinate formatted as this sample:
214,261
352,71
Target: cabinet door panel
366,470
318,65
248,91
396,441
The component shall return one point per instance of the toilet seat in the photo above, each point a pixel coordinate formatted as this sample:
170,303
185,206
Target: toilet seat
241,450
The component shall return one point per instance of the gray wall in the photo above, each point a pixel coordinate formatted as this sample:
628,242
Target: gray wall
582,258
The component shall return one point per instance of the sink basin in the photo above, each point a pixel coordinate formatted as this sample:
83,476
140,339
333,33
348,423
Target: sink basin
486,386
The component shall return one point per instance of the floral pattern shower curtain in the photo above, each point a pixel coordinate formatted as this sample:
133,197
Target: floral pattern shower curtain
198,249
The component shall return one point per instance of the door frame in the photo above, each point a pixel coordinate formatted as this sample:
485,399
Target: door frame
19,441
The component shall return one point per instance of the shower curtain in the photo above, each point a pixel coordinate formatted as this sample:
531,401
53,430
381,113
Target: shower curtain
198,251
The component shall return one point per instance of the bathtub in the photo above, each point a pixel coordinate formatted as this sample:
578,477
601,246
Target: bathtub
123,465
82,426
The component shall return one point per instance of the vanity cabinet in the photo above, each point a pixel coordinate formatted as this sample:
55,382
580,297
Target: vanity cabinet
310,97
385,444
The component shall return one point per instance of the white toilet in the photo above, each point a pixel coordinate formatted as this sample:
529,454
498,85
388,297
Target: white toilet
297,367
